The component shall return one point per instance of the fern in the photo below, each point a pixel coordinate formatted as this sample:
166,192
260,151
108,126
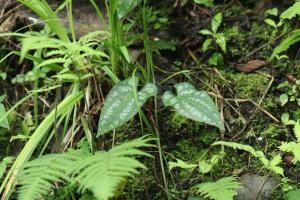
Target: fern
269,164
223,189
40,175
291,39
100,173
293,147
292,11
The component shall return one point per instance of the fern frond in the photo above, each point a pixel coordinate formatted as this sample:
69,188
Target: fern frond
223,189
293,147
54,53
291,39
271,165
38,176
235,145
93,36
292,11
103,172
51,61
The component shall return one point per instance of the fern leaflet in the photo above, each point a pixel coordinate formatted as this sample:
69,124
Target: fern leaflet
293,147
269,164
292,11
102,172
223,189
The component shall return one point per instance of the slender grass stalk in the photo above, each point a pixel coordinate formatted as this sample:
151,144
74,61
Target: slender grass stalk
99,14
34,140
70,19
36,104
136,98
151,77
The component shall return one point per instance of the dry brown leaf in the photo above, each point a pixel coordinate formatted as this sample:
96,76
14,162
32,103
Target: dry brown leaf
251,65
291,77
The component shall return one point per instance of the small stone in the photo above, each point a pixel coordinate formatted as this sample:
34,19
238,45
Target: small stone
254,185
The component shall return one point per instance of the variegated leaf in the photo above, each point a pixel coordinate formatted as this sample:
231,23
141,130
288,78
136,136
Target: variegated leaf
193,104
121,106
3,121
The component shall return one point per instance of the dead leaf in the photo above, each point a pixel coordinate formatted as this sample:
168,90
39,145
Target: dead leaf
290,77
251,65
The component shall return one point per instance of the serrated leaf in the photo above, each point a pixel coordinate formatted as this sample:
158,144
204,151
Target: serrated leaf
120,105
273,165
193,104
216,22
181,164
4,123
291,11
223,189
285,44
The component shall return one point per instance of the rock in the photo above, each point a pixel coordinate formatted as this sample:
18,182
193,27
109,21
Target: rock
85,17
254,185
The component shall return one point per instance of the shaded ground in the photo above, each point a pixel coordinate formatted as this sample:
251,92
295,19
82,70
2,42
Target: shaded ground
248,101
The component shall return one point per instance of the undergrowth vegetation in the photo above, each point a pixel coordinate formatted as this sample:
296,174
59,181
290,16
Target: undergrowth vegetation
144,110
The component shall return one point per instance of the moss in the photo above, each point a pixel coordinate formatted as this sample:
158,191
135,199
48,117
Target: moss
246,85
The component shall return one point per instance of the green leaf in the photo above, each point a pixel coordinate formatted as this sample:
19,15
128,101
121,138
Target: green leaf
181,164
4,163
125,53
291,12
297,131
216,59
223,189
205,167
291,39
273,12
293,194
207,3
193,104
284,98
205,32
271,22
273,165
285,119
165,45
126,6
221,41
120,105
216,22
4,123
3,75
206,45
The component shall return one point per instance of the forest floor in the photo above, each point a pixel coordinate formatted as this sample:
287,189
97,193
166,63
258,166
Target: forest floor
257,96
